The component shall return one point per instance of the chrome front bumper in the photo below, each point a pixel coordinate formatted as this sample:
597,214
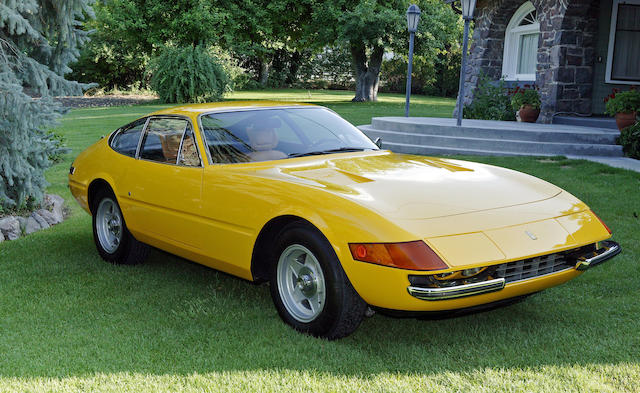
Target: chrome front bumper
608,250
457,291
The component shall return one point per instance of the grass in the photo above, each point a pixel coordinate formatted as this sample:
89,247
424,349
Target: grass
71,322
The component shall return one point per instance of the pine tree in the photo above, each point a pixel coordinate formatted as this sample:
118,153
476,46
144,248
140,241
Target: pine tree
38,39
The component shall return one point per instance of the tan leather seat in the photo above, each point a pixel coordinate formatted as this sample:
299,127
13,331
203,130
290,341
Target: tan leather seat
263,140
170,144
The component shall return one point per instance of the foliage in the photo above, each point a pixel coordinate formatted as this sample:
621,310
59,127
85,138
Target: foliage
491,101
38,39
111,65
327,69
276,43
630,141
58,147
431,78
368,28
526,96
129,33
237,75
622,102
188,74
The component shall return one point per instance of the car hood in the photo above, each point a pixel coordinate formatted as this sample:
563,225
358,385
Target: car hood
402,186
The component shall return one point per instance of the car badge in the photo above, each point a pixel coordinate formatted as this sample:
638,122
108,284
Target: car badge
531,235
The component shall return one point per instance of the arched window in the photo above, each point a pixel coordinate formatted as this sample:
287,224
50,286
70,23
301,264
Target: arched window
521,44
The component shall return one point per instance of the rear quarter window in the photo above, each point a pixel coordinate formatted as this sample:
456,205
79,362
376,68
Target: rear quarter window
126,140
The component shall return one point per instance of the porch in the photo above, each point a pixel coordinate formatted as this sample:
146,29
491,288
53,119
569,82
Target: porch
441,136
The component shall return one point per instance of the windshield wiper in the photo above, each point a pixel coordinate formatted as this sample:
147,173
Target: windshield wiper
320,152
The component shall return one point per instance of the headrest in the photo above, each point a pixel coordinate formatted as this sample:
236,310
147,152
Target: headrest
262,138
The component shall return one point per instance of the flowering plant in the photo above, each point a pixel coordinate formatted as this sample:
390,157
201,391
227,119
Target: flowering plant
622,102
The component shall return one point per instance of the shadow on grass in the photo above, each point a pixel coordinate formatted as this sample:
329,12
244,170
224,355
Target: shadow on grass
66,312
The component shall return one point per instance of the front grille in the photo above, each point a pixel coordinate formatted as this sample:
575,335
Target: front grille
532,267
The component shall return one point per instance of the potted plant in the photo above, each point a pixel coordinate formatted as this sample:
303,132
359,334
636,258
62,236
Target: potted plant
527,103
624,106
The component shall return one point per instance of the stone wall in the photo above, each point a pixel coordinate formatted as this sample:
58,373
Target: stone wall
565,51
52,212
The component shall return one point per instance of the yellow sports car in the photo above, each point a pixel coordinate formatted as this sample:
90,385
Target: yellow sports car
294,195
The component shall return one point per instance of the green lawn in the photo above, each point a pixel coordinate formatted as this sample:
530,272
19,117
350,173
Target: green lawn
71,322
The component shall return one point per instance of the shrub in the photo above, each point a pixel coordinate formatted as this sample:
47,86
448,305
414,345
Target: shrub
188,74
622,102
522,97
111,66
432,77
630,141
58,147
491,102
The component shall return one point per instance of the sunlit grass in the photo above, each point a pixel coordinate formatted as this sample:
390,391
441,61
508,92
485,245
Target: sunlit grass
71,322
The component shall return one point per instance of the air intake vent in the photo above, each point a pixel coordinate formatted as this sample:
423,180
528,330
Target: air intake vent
532,267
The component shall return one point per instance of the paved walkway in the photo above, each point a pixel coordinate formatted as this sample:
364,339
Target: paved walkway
618,162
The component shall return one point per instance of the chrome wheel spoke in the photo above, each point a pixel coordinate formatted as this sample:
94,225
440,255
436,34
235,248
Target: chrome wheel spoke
297,295
294,271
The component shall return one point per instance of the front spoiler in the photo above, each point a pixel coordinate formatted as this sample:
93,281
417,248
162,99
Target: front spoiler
608,250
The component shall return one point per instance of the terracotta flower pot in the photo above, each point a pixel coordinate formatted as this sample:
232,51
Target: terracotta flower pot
626,119
528,114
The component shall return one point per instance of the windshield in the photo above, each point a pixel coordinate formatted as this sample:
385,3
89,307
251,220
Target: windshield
273,134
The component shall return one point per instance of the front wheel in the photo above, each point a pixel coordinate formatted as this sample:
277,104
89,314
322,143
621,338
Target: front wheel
113,240
309,287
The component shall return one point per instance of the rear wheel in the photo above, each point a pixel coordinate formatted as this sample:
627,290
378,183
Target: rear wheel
113,240
309,287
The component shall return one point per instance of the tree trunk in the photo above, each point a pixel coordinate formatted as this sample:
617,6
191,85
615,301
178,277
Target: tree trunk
294,66
367,71
265,67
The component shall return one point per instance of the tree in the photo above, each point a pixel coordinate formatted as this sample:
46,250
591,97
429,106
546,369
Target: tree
369,28
38,39
269,34
262,34
129,33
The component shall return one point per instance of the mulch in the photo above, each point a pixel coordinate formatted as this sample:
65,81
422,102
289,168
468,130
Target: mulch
103,101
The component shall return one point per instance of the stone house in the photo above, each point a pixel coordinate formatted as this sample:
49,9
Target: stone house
575,51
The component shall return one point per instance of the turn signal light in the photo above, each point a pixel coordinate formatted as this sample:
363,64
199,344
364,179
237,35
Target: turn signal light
602,222
409,255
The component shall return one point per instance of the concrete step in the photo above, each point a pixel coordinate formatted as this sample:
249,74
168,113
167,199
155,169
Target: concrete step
437,151
510,131
472,143
587,121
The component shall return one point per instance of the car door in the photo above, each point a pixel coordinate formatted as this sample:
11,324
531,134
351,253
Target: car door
164,185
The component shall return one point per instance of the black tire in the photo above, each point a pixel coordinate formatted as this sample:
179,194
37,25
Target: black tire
128,250
343,309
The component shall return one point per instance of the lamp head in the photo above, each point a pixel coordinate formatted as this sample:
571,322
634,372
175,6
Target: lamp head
468,6
413,17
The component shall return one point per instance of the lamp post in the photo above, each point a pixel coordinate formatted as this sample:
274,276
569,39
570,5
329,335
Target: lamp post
468,7
413,16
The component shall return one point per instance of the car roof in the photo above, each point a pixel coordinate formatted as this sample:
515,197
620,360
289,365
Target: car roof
196,109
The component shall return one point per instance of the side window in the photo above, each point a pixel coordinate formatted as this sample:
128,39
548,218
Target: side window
163,140
126,140
188,151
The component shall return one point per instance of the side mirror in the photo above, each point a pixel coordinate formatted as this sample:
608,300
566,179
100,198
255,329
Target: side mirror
378,142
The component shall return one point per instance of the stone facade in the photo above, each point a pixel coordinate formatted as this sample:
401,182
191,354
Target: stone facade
566,52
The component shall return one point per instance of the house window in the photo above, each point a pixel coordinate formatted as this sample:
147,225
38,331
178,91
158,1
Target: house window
623,58
521,45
